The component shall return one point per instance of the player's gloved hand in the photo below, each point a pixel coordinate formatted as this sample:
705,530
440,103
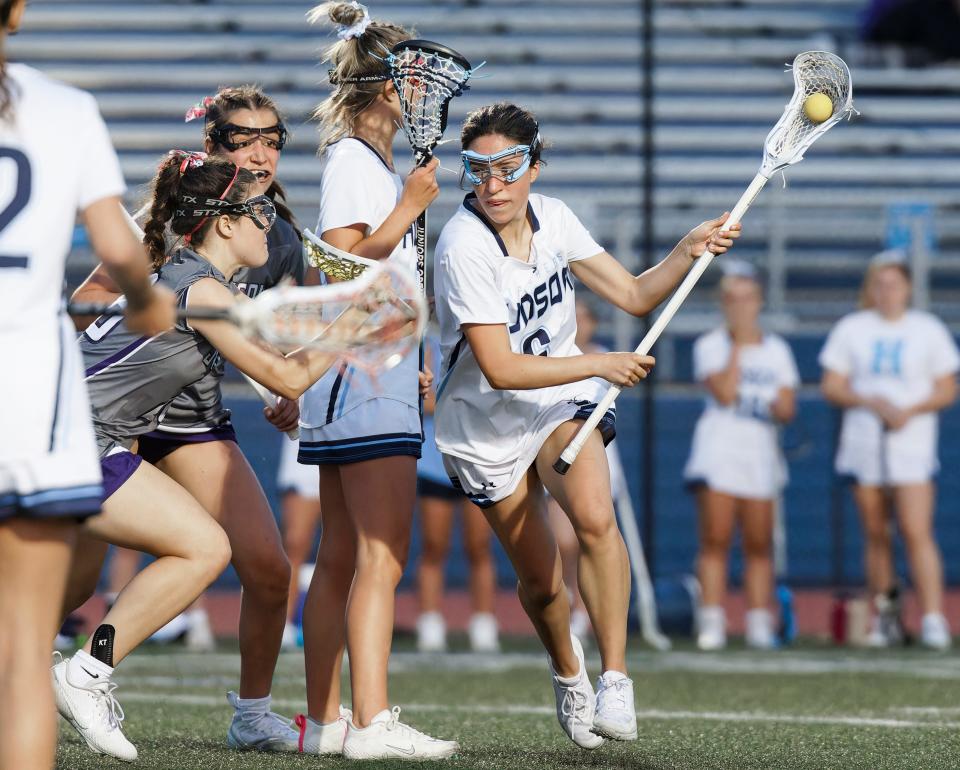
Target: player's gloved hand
426,381
155,314
421,187
711,234
624,369
285,416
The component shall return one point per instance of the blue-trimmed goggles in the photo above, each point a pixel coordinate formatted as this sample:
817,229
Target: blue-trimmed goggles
479,168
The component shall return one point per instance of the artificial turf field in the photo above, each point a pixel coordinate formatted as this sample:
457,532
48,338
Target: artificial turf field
807,707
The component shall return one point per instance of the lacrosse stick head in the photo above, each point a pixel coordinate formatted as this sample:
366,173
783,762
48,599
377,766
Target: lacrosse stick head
333,262
427,76
814,72
372,322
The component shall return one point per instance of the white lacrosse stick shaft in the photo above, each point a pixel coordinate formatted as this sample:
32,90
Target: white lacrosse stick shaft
268,398
690,280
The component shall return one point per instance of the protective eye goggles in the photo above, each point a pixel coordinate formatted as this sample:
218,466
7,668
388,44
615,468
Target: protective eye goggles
479,168
233,137
260,209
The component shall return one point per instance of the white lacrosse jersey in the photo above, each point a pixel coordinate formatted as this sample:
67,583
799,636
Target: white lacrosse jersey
357,187
477,282
735,448
55,160
896,360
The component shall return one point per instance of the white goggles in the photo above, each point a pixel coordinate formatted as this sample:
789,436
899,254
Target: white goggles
479,168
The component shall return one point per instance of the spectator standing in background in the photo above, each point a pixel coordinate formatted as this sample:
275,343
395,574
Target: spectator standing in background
735,462
892,369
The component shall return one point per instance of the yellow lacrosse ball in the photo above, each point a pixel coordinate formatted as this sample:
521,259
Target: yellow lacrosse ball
818,108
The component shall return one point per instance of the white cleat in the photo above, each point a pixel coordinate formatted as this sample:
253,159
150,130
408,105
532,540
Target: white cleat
759,631
576,703
386,737
616,716
711,629
93,712
261,730
934,632
320,738
199,636
484,636
431,632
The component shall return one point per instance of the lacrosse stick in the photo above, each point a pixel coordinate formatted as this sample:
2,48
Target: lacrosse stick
371,322
336,263
814,73
269,399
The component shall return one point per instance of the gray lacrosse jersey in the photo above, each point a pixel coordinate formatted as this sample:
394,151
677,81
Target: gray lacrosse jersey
200,407
131,379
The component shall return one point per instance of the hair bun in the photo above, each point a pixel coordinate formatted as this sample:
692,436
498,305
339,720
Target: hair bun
346,14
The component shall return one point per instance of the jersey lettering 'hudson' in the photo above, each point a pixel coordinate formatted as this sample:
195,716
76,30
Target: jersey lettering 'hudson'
547,294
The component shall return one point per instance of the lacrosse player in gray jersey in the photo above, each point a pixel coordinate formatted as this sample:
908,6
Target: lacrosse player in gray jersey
132,379
194,441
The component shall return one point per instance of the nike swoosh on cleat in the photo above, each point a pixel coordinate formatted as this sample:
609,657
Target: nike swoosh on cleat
407,752
92,675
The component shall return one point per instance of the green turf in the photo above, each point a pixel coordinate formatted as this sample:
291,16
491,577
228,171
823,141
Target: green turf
802,708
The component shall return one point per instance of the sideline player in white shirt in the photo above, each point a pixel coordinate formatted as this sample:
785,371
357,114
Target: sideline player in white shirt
365,436
514,387
735,460
49,474
892,369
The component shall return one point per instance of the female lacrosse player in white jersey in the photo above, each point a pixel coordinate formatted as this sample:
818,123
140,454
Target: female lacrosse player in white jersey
735,462
195,442
365,436
49,475
514,387
132,380
892,369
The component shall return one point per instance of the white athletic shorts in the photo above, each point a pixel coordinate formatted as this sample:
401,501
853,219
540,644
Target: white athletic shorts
898,465
48,457
380,427
293,477
736,457
489,484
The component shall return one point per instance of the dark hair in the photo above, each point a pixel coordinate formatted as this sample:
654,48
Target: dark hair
505,119
6,97
358,58
229,99
201,179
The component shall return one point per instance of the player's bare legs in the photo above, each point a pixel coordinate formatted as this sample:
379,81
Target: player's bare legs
520,522
324,611
382,513
569,555
301,517
85,568
914,504
717,514
603,568
476,542
218,475
123,566
154,514
436,526
756,518
34,561
878,547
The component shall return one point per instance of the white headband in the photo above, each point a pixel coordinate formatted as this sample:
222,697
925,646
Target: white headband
356,30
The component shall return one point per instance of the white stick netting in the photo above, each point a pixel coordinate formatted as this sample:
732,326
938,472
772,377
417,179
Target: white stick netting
426,80
372,322
814,72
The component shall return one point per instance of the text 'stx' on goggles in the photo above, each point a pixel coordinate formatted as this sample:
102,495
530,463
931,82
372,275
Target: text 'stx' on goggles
260,209
479,168
233,137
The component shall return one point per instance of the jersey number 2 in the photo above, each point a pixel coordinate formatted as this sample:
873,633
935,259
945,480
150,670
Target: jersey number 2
21,196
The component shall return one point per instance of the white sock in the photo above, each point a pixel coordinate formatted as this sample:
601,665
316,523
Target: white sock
83,668
253,706
609,677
